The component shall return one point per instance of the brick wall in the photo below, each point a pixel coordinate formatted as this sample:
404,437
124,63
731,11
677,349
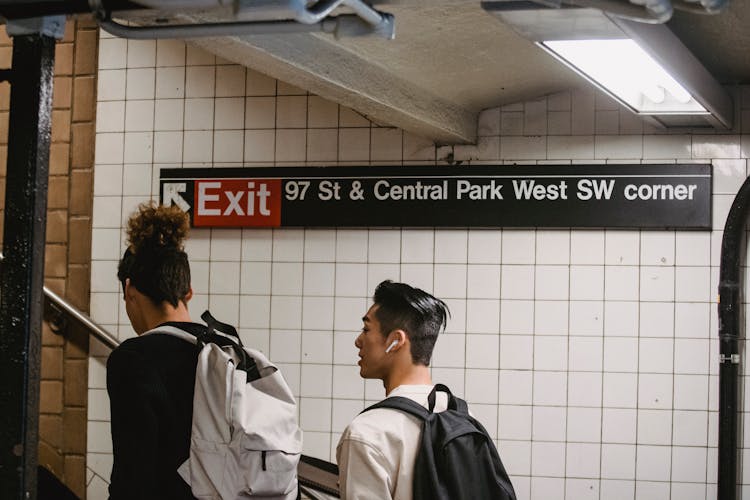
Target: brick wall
62,419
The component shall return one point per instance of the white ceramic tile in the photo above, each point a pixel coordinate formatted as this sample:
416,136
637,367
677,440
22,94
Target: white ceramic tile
229,113
291,111
260,112
140,83
291,145
317,313
548,459
481,386
550,353
552,282
136,180
384,245
586,282
457,321
550,317
692,284
110,116
259,84
109,148
584,389
716,146
550,388
582,460
552,247
483,282
200,81
259,145
103,271
286,312
622,247
170,53
621,283
451,245
620,390
652,463
691,356
418,149
113,53
618,461
516,317
657,319
417,245
108,180
585,353
484,246
612,147
517,281
657,248
514,422
315,414
549,423
197,146
523,148
454,378
139,115
584,425
319,279
666,146
620,354
288,245
106,212
110,86
515,387
351,280
690,392
482,316
654,427
169,114
230,81
689,428
347,382
517,352
354,144
228,146
105,245
511,122
199,114
344,412
351,245
654,391
349,312
658,284
170,83
621,319
450,351
570,147
619,425
316,381
286,278
141,53
450,280
692,248
322,145
255,312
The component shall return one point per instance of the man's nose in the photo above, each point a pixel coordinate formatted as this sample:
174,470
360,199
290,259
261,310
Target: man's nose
356,342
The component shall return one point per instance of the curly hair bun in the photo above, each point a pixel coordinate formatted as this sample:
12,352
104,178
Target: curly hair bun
155,226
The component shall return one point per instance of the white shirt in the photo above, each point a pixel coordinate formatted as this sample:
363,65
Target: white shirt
377,451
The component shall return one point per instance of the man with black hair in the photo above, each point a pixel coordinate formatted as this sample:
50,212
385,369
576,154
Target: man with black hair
377,451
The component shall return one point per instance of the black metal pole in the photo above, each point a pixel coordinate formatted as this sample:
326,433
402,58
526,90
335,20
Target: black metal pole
730,330
21,304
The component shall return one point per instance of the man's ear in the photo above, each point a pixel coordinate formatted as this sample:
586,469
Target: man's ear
129,289
399,336
188,295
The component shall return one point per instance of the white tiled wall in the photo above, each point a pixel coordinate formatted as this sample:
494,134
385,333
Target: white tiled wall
589,355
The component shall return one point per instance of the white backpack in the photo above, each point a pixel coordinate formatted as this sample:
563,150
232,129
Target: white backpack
245,441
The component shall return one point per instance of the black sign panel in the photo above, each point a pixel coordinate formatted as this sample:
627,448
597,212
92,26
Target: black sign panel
611,196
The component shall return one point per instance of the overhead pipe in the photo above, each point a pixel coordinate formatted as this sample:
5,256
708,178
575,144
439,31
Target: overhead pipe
730,328
706,6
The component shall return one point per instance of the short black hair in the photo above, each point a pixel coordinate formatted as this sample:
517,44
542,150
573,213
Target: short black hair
414,311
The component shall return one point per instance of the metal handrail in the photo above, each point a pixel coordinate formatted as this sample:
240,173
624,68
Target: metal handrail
60,305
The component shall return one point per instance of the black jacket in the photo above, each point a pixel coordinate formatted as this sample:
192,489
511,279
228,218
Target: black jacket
150,381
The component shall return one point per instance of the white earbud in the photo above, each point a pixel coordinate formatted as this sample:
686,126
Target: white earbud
393,344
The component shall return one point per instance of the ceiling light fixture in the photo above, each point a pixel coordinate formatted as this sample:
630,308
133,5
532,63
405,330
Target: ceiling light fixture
643,66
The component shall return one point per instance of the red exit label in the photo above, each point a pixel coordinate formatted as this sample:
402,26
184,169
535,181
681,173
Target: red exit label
237,203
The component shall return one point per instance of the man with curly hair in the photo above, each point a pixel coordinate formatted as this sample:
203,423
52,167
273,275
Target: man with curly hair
151,378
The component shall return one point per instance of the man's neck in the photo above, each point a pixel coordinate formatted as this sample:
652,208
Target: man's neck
166,313
413,375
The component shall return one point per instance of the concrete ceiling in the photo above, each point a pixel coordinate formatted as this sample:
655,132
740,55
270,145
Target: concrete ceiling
451,59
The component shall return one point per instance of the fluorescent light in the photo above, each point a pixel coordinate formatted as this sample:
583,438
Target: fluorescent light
624,70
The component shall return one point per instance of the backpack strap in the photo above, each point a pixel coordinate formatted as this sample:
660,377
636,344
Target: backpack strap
404,404
454,403
214,325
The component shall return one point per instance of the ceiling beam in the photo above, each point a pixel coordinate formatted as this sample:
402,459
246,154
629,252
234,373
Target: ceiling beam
326,69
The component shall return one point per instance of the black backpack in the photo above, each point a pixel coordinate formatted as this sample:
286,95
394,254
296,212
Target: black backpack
457,459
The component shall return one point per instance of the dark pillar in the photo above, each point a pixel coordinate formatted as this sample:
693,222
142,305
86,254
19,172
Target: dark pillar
22,277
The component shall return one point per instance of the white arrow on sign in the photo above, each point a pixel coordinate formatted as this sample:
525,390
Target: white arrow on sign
171,194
